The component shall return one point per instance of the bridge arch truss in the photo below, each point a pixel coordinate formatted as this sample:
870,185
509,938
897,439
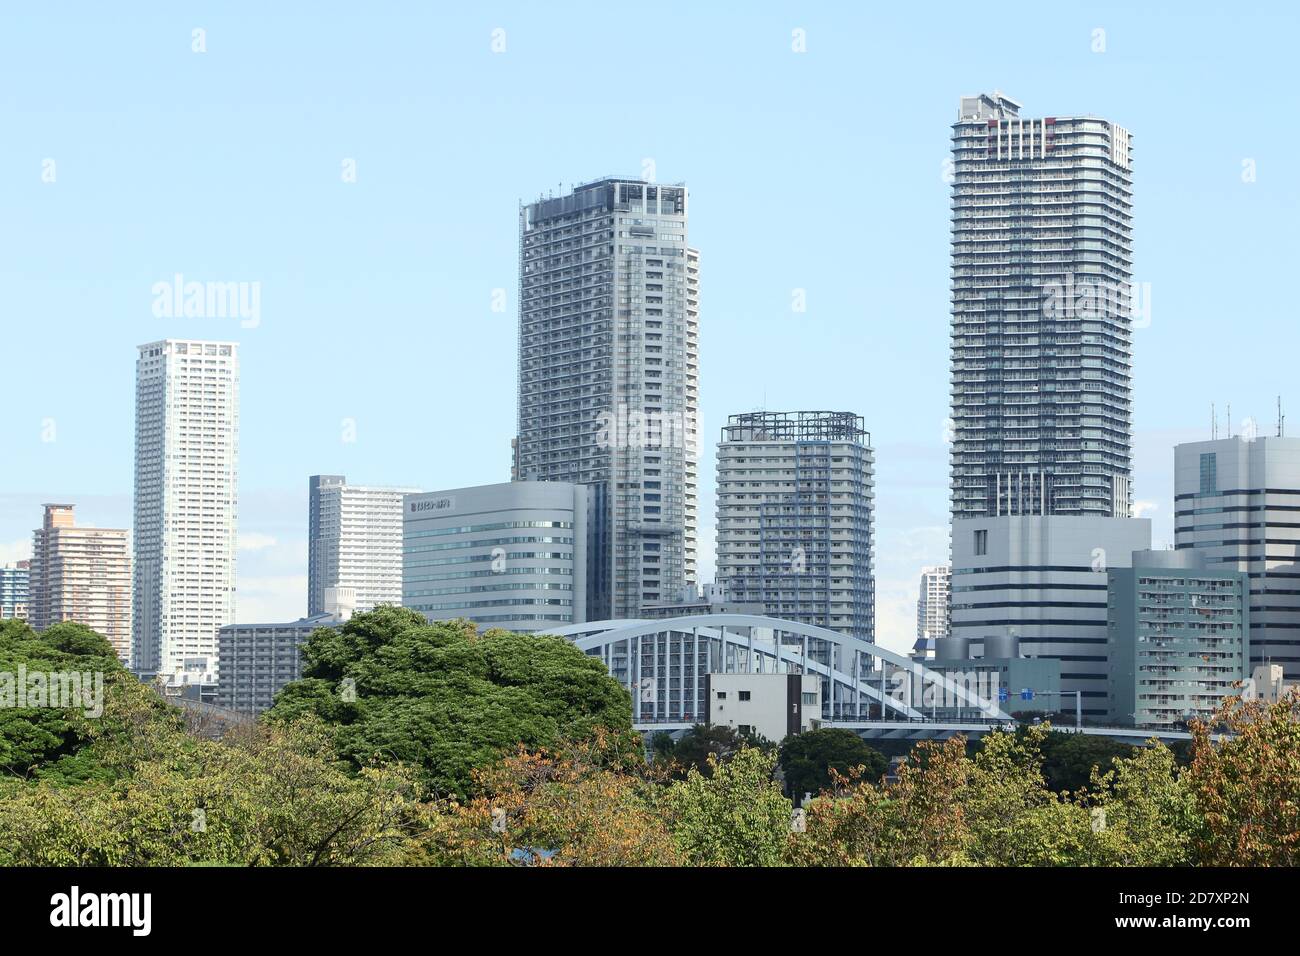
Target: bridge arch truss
663,664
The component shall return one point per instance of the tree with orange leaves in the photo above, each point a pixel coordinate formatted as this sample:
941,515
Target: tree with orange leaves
1247,785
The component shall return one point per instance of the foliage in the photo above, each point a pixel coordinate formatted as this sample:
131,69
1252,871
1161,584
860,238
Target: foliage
48,741
703,746
808,759
1247,787
585,804
529,743
446,699
1149,811
734,816
276,796
995,809
1069,758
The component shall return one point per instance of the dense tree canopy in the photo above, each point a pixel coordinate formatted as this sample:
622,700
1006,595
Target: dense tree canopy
48,741
808,759
447,699
1069,759
411,743
703,747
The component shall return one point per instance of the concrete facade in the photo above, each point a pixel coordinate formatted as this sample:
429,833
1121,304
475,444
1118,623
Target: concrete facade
1041,327
15,582
186,485
1043,580
354,540
1179,639
82,575
609,379
795,517
510,555
932,612
773,706
1237,501
257,660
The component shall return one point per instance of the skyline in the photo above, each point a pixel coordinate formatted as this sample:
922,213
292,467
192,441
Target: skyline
750,337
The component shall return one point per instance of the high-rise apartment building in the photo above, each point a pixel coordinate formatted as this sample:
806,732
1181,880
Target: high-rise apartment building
512,555
1178,638
1237,500
354,540
1041,306
14,583
795,507
932,602
186,462
609,379
82,575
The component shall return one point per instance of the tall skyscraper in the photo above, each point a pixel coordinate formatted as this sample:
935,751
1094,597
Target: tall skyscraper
1236,501
82,575
186,464
932,602
354,541
1041,384
609,379
14,583
1041,351
795,507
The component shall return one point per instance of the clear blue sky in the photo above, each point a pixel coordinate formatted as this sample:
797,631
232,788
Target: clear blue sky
819,171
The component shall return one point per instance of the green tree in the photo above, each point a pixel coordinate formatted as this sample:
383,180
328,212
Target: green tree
808,759
736,816
1069,759
916,821
1247,785
49,741
1148,814
275,796
446,699
585,804
703,745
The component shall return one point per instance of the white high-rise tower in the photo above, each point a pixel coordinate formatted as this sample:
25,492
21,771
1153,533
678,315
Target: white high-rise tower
186,453
354,540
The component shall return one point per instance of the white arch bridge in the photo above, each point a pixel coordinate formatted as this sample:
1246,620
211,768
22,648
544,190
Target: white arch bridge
663,664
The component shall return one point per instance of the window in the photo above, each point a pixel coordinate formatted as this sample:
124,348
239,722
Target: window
808,698
981,542
722,695
743,695
1209,473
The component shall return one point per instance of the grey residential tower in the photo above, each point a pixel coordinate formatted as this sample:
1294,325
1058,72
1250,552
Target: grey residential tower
609,379
795,498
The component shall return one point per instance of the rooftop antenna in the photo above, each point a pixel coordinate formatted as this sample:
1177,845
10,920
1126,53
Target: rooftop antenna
1230,419
1214,423
1281,418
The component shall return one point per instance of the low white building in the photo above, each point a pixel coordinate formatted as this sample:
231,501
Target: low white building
769,705
1267,683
